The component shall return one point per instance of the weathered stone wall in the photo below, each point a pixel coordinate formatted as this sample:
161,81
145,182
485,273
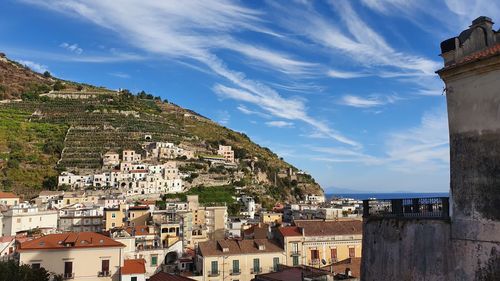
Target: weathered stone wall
406,250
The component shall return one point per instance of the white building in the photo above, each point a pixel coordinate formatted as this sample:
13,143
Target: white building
249,209
227,152
81,218
25,217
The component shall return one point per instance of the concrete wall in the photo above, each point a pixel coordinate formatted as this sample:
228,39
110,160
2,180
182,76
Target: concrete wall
407,250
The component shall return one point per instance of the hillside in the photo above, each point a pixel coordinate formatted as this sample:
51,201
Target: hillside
48,125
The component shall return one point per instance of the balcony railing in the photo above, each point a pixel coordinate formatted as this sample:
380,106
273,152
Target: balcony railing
103,273
68,275
295,253
256,270
213,273
235,271
410,208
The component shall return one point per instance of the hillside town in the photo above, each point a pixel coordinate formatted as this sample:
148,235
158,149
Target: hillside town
124,211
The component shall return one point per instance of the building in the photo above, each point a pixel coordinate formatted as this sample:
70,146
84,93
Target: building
130,156
286,273
25,217
133,270
454,238
238,259
227,152
110,159
271,218
9,198
310,242
163,276
79,256
81,218
114,217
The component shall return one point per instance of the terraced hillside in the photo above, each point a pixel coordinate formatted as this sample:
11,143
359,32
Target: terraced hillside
61,125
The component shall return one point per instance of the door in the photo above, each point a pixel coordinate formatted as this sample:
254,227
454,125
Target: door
68,269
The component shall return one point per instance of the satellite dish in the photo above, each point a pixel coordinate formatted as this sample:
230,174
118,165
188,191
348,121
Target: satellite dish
323,261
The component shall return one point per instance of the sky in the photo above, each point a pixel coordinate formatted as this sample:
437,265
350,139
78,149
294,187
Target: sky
344,90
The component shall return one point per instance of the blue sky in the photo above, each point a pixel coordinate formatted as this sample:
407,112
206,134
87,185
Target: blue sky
345,90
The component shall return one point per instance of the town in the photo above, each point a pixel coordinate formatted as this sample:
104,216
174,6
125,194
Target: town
122,212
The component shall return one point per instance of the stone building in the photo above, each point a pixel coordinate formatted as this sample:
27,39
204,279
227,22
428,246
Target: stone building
425,238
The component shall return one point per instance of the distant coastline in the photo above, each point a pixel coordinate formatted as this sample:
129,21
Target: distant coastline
393,195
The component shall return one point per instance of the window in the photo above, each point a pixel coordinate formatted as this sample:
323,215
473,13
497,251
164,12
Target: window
68,269
314,254
154,260
215,267
113,215
276,261
236,266
133,278
333,254
105,267
295,260
256,265
35,265
352,252
295,248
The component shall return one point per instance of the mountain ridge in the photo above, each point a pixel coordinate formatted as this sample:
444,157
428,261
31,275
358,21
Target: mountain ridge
49,125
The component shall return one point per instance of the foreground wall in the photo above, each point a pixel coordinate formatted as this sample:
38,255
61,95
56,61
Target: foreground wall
407,249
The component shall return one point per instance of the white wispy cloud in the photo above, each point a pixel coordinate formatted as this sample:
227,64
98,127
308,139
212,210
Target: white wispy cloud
243,109
40,68
71,47
345,74
367,102
424,147
193,30
120,75
280,124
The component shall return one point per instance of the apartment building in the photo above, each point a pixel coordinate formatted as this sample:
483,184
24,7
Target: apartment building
227,152
110,159
80,256
238,259
81,218
271,218
24,217
129,155
114,217
310,242
9,198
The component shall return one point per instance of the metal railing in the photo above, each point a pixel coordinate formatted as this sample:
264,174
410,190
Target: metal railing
294,253
235,271
103,273
256,270
213,273
417,208
68,275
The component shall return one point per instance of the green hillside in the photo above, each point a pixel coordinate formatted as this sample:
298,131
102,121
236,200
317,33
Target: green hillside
59,125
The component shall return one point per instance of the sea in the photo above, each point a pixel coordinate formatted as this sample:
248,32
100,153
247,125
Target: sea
363,196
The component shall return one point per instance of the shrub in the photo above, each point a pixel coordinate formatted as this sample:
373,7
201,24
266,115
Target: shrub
46,74
58,86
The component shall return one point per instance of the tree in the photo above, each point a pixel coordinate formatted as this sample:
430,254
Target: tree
58,86
79,88
11,270
50,182
46,74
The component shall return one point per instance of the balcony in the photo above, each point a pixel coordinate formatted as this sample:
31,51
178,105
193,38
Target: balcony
103,274
295,253
256,270
68,276
409,208
213,273
235,271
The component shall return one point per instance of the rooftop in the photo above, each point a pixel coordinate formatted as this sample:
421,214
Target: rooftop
325,228
8,195
238,247
134,266
70,240
290,231
163,276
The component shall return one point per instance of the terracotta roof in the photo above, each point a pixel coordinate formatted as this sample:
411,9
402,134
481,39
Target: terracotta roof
257,231
139,230
325,228
70,240
237,247
290,231
479,55
136,266
354,264
163,276
8,195
136,208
